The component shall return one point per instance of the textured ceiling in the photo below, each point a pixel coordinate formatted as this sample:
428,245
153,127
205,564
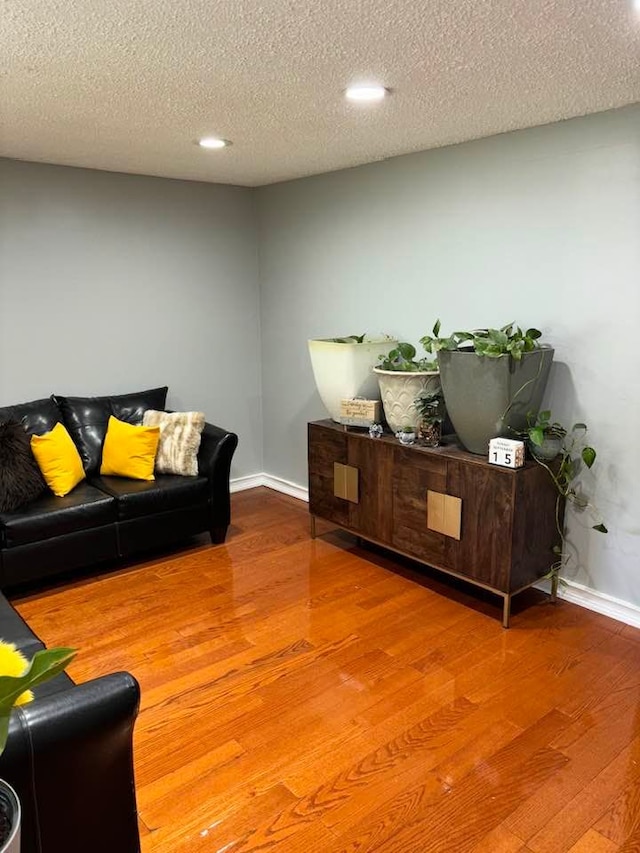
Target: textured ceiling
128,85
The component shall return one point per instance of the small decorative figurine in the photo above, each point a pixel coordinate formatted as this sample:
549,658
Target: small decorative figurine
406,435
375,430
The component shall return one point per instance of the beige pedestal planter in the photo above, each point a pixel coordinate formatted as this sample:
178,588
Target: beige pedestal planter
399,391
342,371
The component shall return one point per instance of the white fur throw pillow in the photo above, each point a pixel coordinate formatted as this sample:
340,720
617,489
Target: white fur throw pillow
180,434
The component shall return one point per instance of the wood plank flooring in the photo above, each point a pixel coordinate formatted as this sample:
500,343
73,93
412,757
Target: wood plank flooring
313,696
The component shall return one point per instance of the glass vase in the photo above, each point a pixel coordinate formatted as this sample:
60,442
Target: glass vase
430,433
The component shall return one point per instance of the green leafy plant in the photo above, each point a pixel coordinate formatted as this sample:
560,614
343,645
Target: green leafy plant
574,456
494,343
430,406
402,359
541,427
349,339
44,665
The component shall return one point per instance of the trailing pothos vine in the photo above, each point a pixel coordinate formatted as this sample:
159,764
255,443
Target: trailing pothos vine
494,343
574,454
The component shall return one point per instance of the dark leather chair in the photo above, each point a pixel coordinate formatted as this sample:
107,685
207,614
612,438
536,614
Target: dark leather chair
69,757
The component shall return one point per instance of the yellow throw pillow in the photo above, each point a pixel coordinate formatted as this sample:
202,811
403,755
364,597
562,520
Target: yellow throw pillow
15,664
58,459
129,451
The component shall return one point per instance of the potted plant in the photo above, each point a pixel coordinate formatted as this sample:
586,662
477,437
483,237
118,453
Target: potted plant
432,411
342,368
406,435
545,439
490,379
564,453
401,380
17,677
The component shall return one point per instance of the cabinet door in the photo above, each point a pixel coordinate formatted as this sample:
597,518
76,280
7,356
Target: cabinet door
414,473
484,549
372,515
326,446
534,527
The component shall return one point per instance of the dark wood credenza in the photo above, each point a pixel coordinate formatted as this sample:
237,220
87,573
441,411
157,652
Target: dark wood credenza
489,525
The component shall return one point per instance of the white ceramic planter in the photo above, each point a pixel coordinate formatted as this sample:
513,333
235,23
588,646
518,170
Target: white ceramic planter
342,371
11,807
399,391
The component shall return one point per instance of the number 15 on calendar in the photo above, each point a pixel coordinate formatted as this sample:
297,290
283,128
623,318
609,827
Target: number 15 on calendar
507,452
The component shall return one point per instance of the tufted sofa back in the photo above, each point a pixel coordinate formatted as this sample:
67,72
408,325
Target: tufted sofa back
37,417
85,418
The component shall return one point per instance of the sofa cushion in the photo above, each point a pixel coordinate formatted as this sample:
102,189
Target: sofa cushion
20,477
47,516
58,459
86,418
129,450
38,416
180,435
136,498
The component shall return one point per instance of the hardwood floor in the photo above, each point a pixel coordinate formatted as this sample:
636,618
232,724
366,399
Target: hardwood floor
312,696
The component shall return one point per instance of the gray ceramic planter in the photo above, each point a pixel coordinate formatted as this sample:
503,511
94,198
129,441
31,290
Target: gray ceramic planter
548,450
489,397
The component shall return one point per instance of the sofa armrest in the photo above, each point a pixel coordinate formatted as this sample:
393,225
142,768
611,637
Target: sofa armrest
217,447
69,757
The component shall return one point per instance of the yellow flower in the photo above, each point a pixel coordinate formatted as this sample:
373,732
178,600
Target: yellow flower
14,663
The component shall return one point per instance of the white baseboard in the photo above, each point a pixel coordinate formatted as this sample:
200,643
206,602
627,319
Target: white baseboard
286,487
576,593
239,484
600,602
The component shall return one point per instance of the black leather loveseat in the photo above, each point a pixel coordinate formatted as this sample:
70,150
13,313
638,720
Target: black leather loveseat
106,518
69,757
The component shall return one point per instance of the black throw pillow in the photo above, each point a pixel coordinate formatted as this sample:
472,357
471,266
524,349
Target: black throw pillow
20,477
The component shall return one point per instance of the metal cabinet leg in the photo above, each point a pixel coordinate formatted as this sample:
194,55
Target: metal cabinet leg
506,611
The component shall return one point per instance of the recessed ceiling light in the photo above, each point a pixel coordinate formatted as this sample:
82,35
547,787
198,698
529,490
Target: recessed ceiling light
213,142
366,93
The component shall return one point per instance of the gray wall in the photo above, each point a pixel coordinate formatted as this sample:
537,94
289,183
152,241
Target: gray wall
540,226
111,283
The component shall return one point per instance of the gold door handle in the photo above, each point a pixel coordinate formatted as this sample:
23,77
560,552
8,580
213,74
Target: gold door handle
345,482
444,514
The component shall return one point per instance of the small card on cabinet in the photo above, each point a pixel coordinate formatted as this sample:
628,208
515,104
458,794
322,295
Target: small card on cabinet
507,452
359,412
